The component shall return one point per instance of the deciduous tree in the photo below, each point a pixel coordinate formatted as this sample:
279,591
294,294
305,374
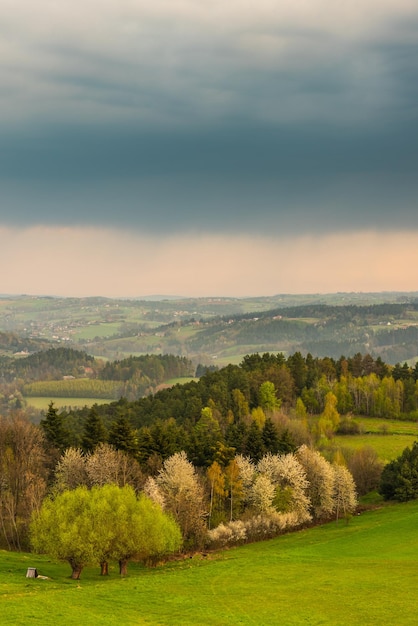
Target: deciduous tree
178,487
23,478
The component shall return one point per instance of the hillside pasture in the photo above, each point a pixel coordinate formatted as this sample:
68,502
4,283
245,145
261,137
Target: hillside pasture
388,437
337,574
387,447
91,331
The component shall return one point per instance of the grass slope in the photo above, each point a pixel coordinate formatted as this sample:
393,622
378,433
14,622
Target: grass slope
364,573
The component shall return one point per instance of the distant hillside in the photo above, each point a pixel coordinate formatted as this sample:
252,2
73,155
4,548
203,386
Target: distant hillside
216,330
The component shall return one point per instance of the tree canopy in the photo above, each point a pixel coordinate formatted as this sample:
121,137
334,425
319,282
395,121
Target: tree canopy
85,527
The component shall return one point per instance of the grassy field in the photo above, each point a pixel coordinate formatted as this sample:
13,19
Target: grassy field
387,447
387,436
42,403
361,573
97,330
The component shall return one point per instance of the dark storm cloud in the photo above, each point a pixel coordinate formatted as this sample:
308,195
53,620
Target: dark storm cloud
173,117
289,179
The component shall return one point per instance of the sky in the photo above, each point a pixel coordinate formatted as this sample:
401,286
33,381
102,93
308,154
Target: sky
178,147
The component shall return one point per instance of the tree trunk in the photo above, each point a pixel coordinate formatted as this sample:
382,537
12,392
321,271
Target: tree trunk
104,568
76,569
123,567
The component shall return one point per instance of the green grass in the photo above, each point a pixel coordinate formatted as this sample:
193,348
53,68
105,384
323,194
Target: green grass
92,331
42,403
380,425
388,437
387,447
362,573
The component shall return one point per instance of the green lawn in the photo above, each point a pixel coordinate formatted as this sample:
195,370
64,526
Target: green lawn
362,573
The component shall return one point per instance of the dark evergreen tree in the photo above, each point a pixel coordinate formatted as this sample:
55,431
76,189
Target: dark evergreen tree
286,443
56,434
236,436
146,444
400,477
270,436
299,370
94,431
123,437
254,445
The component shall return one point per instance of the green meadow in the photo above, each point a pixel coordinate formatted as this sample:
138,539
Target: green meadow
388,437
364,572
42,402
387,447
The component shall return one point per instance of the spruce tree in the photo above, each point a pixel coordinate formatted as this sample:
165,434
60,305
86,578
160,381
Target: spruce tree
94,431
270,437
123,437
56,434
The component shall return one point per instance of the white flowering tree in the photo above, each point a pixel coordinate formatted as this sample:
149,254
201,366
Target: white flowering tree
289,478
345,496
178,488
320,476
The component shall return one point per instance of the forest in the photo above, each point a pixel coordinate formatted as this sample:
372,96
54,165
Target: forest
239,454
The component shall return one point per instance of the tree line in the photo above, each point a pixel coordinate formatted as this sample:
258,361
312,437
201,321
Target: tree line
232,457
73,373
269,403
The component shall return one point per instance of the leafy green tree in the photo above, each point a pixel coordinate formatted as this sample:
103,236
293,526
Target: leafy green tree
84,527
267,398
62,529
330,418
258,416
240,405
300,410
141,530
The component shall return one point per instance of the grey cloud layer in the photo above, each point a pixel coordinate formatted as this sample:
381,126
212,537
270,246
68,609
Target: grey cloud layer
262,179
210,117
